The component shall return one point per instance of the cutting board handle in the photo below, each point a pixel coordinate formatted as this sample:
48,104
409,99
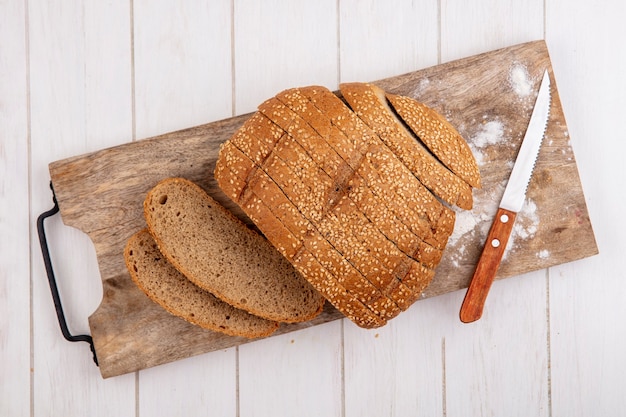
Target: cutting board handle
41,231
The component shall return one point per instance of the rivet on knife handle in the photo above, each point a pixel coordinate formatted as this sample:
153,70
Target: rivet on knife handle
488,264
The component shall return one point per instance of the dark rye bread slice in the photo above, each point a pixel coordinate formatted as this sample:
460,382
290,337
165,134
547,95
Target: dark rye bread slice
217,252
439,136
364,99
166,286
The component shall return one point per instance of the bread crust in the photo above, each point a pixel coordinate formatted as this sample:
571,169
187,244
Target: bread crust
439,136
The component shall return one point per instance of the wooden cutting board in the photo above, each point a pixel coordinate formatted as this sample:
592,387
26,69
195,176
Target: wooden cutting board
488,97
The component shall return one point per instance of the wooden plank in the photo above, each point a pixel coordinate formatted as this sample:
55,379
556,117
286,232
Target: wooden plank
380,40
292,53
14,228
588,341
487,361
182,65
65,40
200,384
469,29
269,386
301,50
115,209
396,370
182,78
498,365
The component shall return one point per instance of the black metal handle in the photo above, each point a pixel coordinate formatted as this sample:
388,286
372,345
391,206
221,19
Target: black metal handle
52,280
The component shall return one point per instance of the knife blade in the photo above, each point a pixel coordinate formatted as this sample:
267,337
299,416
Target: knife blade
511,204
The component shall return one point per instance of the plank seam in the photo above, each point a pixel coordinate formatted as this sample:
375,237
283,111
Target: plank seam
137,408
133,103
343,368
548,343
338,11
30,205
444,410
233,89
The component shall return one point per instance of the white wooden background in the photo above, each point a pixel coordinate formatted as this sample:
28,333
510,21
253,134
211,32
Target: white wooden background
77,76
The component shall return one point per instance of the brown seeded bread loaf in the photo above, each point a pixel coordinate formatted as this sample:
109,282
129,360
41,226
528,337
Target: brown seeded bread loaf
220,254
162,283
339,200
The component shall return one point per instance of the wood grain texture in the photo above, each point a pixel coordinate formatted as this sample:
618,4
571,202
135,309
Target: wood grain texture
265,384
396,370
494,124
14,216
550,343
483,25
411,380
209,382
114,208
485,360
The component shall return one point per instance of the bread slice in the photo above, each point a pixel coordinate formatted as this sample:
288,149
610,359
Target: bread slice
162,283
217,252
369,103
441,138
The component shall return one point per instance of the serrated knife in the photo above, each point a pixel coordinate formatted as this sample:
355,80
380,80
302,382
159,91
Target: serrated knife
511,204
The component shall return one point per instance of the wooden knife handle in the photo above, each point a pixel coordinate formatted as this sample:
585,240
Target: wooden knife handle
488,264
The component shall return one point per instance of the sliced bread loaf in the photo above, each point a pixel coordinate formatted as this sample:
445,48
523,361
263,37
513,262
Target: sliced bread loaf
217,252
338,193
162,283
